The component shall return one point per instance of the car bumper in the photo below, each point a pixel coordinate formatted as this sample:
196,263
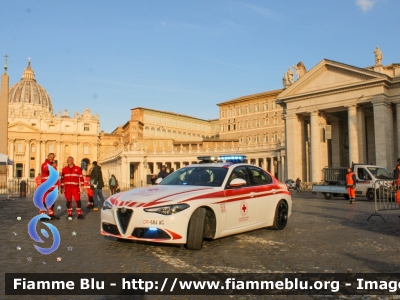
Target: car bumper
136,224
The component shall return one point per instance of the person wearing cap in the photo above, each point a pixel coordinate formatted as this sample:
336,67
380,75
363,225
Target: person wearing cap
163,173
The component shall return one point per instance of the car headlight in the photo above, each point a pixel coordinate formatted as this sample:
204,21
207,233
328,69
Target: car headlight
167,209
107,205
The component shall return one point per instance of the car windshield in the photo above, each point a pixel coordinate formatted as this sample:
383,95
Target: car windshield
380,173
203,176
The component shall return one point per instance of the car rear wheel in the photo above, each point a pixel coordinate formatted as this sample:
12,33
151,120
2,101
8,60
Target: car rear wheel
328,196
281,215
195,231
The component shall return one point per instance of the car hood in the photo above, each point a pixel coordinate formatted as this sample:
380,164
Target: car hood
156,195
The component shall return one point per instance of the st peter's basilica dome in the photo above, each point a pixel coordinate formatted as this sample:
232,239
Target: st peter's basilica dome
28,91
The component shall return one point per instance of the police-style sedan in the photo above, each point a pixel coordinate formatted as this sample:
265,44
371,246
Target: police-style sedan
206,200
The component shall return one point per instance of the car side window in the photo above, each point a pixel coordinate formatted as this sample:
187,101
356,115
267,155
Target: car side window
363,174
239,172
259,177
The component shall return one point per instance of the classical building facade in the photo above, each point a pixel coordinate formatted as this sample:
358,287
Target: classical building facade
256,121
34,130
337,114
250,125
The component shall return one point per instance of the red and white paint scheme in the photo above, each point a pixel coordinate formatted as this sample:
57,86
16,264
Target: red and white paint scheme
206,200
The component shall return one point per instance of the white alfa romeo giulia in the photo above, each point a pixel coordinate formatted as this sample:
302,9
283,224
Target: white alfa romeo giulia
206,200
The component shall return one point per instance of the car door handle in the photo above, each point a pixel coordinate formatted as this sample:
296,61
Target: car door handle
252,194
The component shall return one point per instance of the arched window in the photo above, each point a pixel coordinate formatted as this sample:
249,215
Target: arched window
51,148
146,131
189,136
66,149
33,148
184,136
158,132
86,149
152,131
164,133
174,134
179,135
169,133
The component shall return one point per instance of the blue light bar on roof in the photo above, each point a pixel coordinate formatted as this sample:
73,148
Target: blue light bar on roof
224,158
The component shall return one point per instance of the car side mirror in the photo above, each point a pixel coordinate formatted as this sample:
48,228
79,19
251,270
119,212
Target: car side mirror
237,182
158,180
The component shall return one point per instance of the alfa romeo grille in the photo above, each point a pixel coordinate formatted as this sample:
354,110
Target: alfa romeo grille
124,216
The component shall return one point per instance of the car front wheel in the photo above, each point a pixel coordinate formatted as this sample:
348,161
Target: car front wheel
195,231
281,215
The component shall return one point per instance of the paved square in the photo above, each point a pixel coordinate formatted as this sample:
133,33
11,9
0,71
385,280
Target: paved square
321,236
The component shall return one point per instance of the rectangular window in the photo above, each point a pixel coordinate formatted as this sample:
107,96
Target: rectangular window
52,127
274,105
67,127
248,110
265,106
86,127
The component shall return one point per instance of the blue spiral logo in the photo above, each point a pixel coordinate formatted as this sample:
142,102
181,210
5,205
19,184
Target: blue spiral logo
38,201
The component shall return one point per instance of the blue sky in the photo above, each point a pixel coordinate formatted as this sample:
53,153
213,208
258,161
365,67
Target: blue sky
184,56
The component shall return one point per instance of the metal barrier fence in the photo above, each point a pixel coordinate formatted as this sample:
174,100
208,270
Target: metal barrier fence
386,197
17,188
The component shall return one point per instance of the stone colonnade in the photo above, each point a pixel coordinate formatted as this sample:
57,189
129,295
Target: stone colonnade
370,134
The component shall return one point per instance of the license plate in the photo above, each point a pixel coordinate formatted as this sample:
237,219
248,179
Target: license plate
153,222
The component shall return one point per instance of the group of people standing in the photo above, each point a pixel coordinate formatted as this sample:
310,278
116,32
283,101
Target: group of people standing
72,183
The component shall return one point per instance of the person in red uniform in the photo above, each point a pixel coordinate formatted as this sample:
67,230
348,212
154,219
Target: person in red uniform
72,186
396,175
45,175
351,185
89,192
38,180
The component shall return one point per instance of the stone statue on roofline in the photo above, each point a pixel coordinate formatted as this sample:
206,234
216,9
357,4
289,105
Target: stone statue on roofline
300,69
290,75
378,56
285,80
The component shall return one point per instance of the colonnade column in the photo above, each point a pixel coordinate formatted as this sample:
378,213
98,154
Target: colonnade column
353,134
59,155
315,148
27,158
398,128
335,143
37,165
11,154
361,129
283,175
383,121
294,146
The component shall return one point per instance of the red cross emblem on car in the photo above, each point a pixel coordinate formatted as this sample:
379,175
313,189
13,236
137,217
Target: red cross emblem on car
244,208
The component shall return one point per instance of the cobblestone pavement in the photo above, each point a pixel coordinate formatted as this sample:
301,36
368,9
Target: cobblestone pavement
321,236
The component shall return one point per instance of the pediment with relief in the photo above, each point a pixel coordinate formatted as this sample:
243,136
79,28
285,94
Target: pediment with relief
328,75
22,127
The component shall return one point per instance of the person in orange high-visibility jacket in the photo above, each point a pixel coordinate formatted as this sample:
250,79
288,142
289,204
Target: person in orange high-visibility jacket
45,175
396,175
72,186
351,185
